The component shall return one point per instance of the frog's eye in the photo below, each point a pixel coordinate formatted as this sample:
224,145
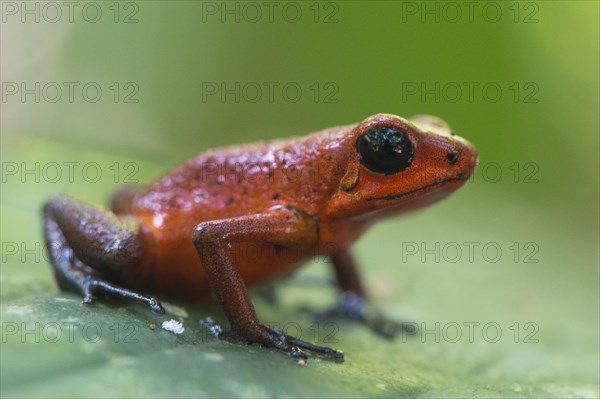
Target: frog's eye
384,149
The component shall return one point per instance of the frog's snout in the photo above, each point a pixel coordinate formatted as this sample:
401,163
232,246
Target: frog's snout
463,157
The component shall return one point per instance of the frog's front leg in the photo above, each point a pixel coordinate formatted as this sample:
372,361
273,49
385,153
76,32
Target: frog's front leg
88,246
353,303
283,227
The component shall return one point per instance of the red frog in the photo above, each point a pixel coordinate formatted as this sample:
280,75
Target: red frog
241,215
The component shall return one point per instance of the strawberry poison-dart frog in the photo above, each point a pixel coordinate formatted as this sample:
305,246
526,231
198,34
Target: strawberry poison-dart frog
237,216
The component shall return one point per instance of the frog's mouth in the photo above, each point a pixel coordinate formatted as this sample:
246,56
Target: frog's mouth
437,184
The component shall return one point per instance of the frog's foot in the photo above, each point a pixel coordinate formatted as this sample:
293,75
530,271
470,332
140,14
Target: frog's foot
72,275
353,307
273,338
93,286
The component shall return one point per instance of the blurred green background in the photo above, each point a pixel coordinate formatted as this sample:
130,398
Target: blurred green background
532,112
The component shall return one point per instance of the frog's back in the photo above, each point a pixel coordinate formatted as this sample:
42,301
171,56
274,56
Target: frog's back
241,180
217,184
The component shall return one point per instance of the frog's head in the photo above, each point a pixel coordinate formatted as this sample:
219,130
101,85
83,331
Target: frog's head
395,165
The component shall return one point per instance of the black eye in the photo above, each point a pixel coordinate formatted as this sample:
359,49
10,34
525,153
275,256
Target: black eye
385,150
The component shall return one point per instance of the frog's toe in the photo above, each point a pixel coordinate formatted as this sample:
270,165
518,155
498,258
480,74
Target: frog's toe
88,299
215,328
92,285
156,306
297,354
329,353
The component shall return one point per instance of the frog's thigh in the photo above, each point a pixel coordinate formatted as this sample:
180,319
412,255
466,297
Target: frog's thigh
95,235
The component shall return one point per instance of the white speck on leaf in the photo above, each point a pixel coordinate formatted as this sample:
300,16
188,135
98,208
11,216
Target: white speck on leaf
174,326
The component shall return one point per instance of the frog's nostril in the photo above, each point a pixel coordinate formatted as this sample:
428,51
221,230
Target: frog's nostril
452,157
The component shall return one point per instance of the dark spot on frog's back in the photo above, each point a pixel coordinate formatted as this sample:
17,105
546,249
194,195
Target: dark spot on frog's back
229,201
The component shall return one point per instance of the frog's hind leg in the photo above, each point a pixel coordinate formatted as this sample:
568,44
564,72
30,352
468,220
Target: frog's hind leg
89,246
